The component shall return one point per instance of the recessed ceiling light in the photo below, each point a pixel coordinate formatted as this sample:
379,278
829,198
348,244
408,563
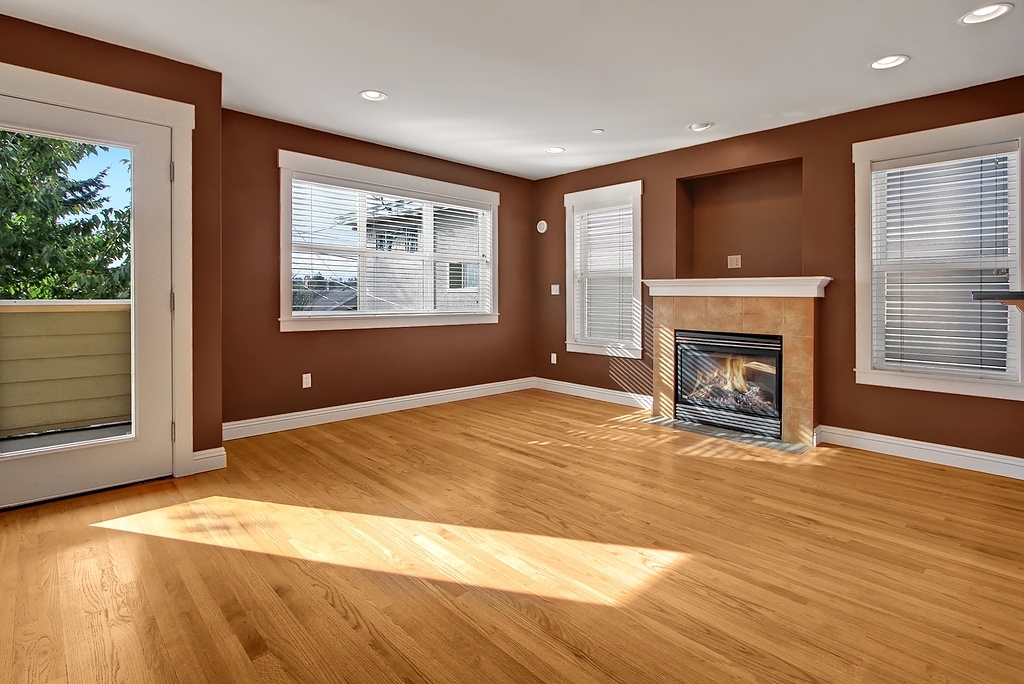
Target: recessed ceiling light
889,62
702,126
597,130
373,95
554,150
986,13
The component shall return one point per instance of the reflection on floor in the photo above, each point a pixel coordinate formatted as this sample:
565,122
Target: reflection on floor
528,538
10,445
537,565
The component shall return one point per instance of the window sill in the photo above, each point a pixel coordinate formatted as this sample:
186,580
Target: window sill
299,324
619,350
992,389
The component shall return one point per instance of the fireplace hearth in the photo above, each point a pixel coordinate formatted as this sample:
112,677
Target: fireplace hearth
730,380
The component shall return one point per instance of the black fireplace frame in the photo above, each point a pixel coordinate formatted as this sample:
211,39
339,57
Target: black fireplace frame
739,419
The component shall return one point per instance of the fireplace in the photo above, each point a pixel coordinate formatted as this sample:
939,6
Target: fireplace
730,380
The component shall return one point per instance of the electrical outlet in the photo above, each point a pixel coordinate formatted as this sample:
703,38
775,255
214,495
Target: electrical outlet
307,380
555,289
734,261
554,357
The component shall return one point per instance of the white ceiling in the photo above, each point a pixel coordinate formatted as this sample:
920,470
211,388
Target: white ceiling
493,83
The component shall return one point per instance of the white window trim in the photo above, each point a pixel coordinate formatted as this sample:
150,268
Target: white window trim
581,201
976,134
355,175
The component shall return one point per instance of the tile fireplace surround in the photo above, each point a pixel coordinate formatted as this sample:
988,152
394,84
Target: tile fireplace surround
768,306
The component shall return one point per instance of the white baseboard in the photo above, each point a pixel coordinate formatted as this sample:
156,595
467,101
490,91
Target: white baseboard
203,461
644,401
289,421
968,459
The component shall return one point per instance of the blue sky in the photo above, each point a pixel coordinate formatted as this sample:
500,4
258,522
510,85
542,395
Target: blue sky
118,177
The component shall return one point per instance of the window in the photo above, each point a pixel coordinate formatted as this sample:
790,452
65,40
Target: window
364,248
463,276
603,270
939,219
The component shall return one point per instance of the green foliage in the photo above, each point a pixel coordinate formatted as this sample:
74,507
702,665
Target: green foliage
57,240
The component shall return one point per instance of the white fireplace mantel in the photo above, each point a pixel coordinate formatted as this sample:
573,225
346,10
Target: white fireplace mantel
794,286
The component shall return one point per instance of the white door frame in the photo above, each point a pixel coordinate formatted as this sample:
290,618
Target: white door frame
39,86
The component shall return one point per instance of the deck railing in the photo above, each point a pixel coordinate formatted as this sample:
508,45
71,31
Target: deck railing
64,364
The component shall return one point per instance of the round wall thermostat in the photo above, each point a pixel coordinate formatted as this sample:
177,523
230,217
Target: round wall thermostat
542,226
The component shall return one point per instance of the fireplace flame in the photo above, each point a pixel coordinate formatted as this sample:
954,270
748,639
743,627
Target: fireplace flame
735,375
731,376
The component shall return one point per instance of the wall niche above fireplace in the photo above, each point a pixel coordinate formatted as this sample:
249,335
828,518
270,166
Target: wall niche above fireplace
756,212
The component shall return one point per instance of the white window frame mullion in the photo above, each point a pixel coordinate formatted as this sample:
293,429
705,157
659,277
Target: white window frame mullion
427,249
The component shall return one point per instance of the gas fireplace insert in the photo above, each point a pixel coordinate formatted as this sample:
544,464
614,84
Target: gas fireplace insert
730,380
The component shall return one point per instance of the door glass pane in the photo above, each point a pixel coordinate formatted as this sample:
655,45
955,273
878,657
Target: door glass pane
65,292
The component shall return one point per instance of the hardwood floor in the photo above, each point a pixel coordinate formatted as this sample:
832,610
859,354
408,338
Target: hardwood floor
528,537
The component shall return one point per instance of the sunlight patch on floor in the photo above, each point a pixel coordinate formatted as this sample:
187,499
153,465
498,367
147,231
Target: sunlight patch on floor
538,565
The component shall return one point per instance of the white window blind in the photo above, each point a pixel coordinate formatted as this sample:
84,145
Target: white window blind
604,275
364,251
942,227
604,270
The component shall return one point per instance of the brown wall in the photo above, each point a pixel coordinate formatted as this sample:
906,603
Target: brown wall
756,213
262,366
827,244
45,49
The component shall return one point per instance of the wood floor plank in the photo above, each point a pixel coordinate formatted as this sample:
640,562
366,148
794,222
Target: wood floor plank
523,538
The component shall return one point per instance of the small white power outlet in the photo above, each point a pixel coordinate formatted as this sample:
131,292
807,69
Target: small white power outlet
307,380
555,289
734,261
554,357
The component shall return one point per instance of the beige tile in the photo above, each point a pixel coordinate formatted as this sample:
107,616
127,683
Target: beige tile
797,354
797,425
763,315
664,339
664,367
664,402
725,314
767,306
797,389
799,316
664,311
691,313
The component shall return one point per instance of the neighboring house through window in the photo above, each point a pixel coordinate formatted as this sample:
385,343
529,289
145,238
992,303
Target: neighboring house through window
363,247
463,276
938,218
603,313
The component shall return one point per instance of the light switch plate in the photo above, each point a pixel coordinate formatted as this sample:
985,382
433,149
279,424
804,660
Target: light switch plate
307,380
555,289
734,261
554,357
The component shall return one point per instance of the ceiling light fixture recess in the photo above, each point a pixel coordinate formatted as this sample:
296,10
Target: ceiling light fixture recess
554,150
986,13
373,95
702,126
889,62
597,131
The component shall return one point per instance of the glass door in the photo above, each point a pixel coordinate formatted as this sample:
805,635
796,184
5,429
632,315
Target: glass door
85,311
